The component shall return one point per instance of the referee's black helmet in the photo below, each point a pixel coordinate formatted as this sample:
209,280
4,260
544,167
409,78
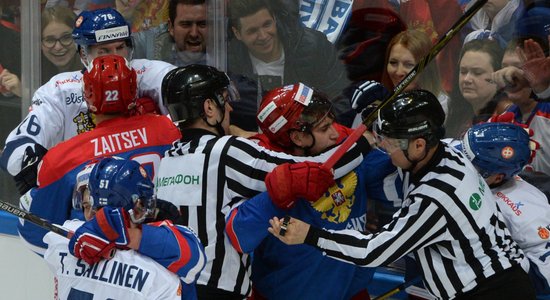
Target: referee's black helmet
413,114
185,89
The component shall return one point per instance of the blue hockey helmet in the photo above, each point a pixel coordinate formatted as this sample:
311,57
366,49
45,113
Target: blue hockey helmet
100,26
497,148
122,183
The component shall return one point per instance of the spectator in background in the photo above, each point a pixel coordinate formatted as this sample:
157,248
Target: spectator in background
402,55
59,51
182,40
496,21
526,109
80,5
58,46
425,15
474,91
10,52
271,49
534,26
371,27
142,15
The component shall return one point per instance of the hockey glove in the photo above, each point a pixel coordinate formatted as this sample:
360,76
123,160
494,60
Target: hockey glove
26,178
368,93
287,182
144,106
89,247
95,238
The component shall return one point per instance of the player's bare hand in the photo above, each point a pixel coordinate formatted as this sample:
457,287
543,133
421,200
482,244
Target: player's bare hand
289,230
10,82
510,78
536,66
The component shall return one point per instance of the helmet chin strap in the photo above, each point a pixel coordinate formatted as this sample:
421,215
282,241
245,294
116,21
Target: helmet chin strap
307,149
218,126
414,162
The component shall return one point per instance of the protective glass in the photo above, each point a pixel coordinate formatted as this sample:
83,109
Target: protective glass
65,40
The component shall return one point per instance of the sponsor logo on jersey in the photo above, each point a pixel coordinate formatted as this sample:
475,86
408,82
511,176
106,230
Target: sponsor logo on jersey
120,141
475,201
141,70
36,102
74,98
544,232
110,34
335,205
83,122
178,179
75,79
514,206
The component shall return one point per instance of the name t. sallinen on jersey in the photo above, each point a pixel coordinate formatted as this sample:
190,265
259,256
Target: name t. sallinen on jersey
110,271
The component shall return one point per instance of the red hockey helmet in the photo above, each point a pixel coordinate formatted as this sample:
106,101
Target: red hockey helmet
292,107
110,85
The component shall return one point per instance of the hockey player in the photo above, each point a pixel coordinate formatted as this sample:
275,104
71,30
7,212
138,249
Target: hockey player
499,151
59,110
448,218
309,130
110,92
206,174
116,196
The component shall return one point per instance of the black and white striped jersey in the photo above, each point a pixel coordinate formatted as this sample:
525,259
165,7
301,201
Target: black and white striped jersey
206,176
449,220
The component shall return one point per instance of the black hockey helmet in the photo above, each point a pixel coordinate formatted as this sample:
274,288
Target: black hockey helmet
413,114
185,89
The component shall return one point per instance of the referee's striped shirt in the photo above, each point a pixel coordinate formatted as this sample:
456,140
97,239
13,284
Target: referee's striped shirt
448,220
216,174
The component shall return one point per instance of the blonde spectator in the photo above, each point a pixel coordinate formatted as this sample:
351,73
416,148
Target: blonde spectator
403,53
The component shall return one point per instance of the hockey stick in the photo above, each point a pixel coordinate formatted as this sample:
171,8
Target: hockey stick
354,136
399,288
21,213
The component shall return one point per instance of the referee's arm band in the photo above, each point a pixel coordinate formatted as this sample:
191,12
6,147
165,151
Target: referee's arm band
364,145
313,236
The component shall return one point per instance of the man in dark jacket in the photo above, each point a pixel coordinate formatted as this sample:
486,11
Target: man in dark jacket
270,49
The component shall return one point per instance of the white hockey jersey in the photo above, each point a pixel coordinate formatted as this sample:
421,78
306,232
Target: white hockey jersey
59,111
526,213
128,275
